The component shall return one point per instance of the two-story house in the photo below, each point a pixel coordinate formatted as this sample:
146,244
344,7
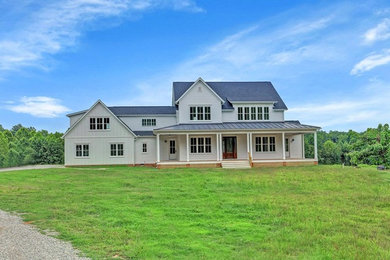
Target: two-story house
210,124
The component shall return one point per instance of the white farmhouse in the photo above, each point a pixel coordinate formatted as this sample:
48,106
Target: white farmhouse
210,124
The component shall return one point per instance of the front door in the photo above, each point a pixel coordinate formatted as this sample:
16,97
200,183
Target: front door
229,147
172,149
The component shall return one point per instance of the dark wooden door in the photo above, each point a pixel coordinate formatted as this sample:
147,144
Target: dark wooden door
229,147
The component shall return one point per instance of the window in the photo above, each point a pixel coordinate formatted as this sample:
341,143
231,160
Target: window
258,144
149,122
144,147
286,144
265,144
266,113
116,149
240,116
253,113
193,145
246,109
259,113
208,145
200,113
82,150
201,145
99,123
92,123
272,146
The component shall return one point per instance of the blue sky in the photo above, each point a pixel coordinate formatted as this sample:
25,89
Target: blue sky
329,60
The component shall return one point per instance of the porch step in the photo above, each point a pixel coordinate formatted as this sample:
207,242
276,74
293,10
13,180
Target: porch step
236,165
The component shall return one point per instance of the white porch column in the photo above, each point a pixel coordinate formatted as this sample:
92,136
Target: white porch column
158,148
284,146
188,147
247,144
220,147
303,146
251,144
315,146
217,145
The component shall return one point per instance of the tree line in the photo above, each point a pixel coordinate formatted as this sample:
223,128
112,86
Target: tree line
25,146
371,147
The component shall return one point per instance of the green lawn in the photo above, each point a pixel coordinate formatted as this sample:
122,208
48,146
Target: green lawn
321,212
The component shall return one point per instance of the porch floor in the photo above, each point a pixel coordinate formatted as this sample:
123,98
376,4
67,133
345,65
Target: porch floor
174,162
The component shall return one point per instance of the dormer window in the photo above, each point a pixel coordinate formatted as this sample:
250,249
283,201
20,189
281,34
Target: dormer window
252,113
200,113
149,122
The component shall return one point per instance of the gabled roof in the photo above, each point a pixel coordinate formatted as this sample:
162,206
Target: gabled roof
136,110
279,125
236,92
193,84
94,105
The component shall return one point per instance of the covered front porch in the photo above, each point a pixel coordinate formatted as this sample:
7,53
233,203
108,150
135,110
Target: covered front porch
212,149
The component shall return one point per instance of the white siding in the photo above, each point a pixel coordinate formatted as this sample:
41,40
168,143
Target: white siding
150,156
296,146
199,95
73,119
135,122
99,141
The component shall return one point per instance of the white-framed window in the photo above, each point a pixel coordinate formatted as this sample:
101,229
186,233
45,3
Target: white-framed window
82,150
252,113
286,142
265,144
99,123
200,144
148,122
116,150
144,147
200,113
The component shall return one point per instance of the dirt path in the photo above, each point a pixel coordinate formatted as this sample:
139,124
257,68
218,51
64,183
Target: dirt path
30,167
19,240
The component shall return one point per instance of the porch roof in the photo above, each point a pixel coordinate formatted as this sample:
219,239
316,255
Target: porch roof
279,125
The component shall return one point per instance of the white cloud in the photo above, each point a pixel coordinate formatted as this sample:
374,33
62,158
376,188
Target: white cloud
39,107
372,61
57,25
380,32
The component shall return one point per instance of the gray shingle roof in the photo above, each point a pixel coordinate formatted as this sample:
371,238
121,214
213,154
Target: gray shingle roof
143,133
237,91
240,126
143,110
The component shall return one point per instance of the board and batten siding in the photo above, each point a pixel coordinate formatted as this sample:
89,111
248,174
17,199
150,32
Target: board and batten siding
150,157
199,95
135,122
99,141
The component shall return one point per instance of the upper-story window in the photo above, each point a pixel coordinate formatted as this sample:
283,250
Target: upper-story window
253,113
200,113
149,122
99,123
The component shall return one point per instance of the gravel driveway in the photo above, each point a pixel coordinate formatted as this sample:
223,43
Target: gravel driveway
31,167
19,240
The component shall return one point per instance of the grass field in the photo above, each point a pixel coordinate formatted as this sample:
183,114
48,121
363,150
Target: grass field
321,212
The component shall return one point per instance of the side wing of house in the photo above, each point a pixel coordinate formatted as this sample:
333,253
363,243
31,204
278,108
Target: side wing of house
99,138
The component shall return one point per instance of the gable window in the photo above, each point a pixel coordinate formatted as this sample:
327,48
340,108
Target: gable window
144,147
200,113
200,145
149,122
116,149
82,150
253,113
265,144
99,123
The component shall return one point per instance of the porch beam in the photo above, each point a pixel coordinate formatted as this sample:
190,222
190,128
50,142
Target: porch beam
158,148
284,146
315,146
188,147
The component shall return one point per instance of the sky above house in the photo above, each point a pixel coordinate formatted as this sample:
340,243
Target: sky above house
329,60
